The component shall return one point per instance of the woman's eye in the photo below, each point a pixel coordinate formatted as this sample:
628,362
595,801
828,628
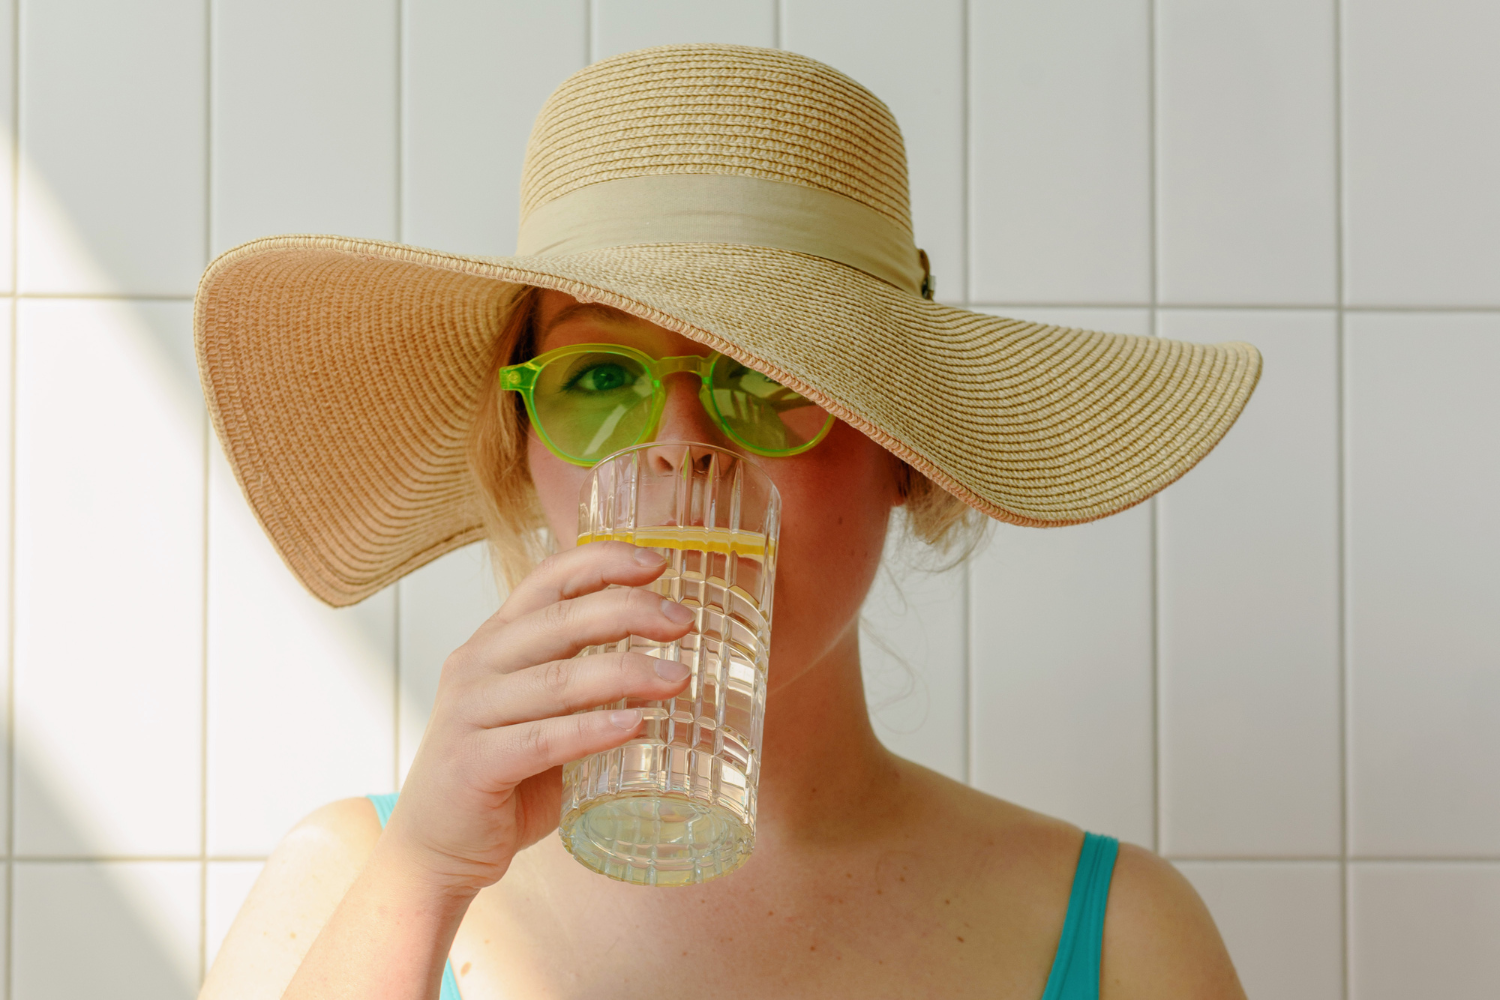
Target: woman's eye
601,378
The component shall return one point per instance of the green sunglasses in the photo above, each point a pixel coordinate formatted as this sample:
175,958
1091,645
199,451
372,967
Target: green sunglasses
589,400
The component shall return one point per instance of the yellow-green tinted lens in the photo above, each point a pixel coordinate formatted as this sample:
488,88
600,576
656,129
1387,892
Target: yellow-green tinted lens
761,413
592,403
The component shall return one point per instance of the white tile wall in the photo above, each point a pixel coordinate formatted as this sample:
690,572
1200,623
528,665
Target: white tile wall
227,886
464,112
1421,88
1060,151
914,650
301,697
112,127
305,126
1282,923
1424,930
110,440
1285,663
118,929
8,57
1062,672
1424,597
1245,151
621,25
1248,576
7,438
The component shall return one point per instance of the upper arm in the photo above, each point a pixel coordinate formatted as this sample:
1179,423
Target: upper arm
301,885
1159,940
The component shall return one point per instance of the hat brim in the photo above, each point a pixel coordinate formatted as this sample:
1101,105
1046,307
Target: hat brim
342,376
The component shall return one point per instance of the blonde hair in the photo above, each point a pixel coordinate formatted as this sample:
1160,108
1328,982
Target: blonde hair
512,517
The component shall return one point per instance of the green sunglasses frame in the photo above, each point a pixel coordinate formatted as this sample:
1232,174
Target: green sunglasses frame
522,378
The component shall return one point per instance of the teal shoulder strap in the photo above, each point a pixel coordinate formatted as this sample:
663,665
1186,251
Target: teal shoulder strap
1075,969
383,806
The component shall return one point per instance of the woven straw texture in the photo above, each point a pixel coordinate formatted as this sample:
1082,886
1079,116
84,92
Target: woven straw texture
342,375
717,109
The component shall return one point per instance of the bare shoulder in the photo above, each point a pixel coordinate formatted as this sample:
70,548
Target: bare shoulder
345,827
298,890
973,817
1159,940
1015,865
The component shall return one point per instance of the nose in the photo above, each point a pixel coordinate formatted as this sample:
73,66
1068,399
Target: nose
683,418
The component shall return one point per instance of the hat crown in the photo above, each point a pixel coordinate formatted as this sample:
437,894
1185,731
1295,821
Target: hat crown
717,109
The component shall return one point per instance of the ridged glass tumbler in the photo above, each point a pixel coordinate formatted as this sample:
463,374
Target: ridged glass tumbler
676,805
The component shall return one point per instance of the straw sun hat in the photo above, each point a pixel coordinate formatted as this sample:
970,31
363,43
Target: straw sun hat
752,200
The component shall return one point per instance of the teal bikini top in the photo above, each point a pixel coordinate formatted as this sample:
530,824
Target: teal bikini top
1075,968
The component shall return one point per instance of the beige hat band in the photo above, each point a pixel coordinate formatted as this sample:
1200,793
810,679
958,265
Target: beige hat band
724,208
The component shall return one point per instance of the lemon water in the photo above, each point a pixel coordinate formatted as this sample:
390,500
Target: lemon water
676,805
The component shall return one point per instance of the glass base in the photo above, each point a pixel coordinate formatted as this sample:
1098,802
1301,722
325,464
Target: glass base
661,840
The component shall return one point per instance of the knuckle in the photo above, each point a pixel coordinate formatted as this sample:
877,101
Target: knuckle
537,742
632,665
549,565
556,677
584,723
558,616
456,679
642,601
455,664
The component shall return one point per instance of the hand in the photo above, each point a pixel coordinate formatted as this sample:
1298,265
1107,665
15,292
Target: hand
487,779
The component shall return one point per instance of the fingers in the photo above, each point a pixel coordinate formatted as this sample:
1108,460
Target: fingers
582,570
566,686
511,754
560,630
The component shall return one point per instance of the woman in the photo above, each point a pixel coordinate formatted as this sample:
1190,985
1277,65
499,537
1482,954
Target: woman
677,201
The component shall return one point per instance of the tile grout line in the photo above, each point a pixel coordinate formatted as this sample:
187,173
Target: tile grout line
208,214
400,96
400,238
1156,694
203,724
103,297
118,859
1341,398
588,31
967,721
1230,307
10,527
10,651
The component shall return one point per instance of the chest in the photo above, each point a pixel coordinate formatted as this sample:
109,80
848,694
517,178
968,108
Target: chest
874,932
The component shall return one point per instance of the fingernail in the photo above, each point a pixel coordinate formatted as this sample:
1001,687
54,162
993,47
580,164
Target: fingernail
671,670
627,719
648,558
678,614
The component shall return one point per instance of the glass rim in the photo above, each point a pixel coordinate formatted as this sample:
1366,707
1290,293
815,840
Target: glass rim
745,458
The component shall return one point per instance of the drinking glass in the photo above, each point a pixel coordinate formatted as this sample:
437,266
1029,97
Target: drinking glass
676,805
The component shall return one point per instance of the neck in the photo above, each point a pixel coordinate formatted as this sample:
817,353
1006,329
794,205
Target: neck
823,769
